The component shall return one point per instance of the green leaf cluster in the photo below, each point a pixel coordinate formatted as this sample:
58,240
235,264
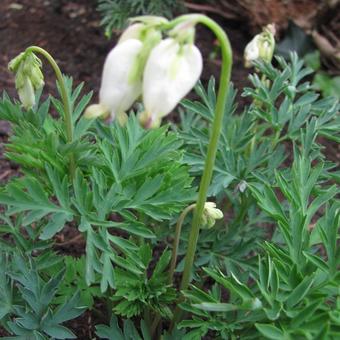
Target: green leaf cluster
115,13
294,289
139,287
27,309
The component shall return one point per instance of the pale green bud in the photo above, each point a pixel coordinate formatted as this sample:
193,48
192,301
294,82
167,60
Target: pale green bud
210,215
37,78
14,64
26,93
96,111
261,47
28,76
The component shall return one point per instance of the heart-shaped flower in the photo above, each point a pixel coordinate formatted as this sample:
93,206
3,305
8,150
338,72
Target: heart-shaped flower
171,71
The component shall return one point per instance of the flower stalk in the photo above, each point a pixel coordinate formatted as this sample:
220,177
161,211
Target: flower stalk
222,96
64,98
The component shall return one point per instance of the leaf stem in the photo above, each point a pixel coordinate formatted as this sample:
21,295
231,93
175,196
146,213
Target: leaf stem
64,97
176,240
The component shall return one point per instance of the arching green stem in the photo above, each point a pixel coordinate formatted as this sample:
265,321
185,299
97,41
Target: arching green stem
214,136
176,240
64,98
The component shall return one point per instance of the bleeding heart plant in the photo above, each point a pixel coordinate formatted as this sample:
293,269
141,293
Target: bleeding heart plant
258,260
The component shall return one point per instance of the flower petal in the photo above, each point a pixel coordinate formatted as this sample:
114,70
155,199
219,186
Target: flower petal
117,92
170,73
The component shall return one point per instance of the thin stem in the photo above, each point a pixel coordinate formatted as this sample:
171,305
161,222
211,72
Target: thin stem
257,103
154,325
176,240
215,134
64,97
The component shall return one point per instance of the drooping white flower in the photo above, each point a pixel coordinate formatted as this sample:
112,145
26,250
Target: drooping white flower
123,70
171,71
118,91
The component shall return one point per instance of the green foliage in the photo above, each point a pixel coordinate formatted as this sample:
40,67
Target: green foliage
286,286
138,290
74,279
129,171
254,143
39,140
26,301
115,13
269,269
294,289
325,83
129,332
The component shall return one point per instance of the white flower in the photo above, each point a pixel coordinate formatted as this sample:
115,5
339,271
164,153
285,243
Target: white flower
118,91
132,32
251,52
171,71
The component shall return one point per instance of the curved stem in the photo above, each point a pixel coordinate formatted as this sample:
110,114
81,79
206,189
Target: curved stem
215,133
176,240
64,97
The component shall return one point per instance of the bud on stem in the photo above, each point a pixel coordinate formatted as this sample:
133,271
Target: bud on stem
28,76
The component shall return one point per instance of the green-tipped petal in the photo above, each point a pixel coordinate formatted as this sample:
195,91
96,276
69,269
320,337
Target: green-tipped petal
96,111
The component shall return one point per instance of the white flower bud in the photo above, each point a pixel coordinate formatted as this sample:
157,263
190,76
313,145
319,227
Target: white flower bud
210,215
95,111
171,71
261,47
118,92
251,52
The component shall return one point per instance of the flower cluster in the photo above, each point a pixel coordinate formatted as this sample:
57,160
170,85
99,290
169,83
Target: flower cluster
162,71
28,77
